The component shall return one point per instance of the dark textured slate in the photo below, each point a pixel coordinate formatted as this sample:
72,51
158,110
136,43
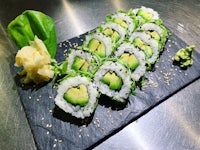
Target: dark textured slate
52,128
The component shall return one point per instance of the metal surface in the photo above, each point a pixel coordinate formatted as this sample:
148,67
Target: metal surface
174,124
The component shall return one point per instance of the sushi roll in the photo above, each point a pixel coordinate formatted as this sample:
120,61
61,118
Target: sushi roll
113,80
157,31
125,19
147,44
82,61
145,14
113,30
77,96
99,44
133,58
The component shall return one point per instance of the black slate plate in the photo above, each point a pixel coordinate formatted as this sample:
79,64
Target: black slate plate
54,129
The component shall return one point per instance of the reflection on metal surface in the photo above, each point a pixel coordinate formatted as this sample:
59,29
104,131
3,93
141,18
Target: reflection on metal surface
72,16
139,139
184,124
180,28
118,4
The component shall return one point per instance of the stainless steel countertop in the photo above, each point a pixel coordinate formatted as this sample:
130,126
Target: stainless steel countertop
174,124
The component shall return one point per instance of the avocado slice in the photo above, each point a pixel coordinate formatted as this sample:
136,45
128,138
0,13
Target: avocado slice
77,95
97,47
108,32
112,80
93,44
80,64
144,14
147,49
115,36
155,35
121,22
101,50
130,60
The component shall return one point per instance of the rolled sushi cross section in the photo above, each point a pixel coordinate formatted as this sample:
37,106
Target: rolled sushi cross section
98,44
113,30
80,60
125,19
113,80
78,96
133,58
156,31
145,14
145,43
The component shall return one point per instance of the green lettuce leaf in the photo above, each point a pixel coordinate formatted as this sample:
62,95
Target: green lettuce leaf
30,23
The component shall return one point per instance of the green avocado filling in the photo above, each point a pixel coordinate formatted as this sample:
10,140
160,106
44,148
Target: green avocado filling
112,33
144,14
130,60
184,56
80,64
77,95
97,47
121,22
112,80
154,35
146,48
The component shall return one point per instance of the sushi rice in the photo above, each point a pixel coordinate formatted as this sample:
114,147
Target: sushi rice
122,72
76,110
129,48
116,27
149,41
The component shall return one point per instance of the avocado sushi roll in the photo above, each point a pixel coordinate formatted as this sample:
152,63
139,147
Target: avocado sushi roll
77,95
157,31
125,19
113,30
147,44
133,58
113,80
145,14
99,44
82,61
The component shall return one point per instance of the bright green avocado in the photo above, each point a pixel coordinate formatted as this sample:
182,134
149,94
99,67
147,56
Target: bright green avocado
130,60
155,35
80,64
77,95
97,47
108,32
144,14
121,22
112,80
113,34
147,49
93,44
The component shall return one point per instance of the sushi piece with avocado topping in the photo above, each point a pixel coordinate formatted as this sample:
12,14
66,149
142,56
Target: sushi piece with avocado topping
113,80
132,58
78,96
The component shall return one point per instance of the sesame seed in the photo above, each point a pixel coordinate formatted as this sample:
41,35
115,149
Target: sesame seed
54,145
59,141
47,132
